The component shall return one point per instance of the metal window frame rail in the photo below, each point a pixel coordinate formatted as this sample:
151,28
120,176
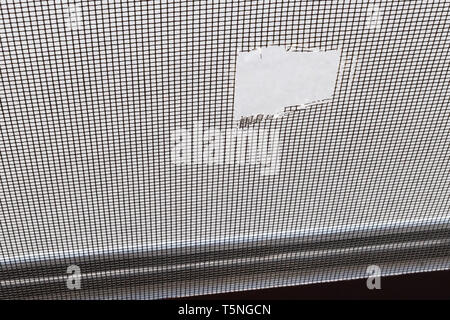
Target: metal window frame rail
28,277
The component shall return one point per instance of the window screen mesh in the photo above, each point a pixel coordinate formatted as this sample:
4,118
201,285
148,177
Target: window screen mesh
93,92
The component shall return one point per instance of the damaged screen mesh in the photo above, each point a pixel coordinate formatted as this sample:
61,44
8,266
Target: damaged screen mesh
174,148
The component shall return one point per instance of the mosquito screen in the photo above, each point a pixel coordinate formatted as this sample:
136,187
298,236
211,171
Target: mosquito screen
155,149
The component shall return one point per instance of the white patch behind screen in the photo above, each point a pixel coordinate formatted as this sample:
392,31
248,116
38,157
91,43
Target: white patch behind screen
270,79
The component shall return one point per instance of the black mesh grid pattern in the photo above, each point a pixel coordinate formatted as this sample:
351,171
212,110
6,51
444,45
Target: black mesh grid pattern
91,92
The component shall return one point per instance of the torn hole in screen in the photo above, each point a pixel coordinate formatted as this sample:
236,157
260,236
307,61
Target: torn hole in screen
272,78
